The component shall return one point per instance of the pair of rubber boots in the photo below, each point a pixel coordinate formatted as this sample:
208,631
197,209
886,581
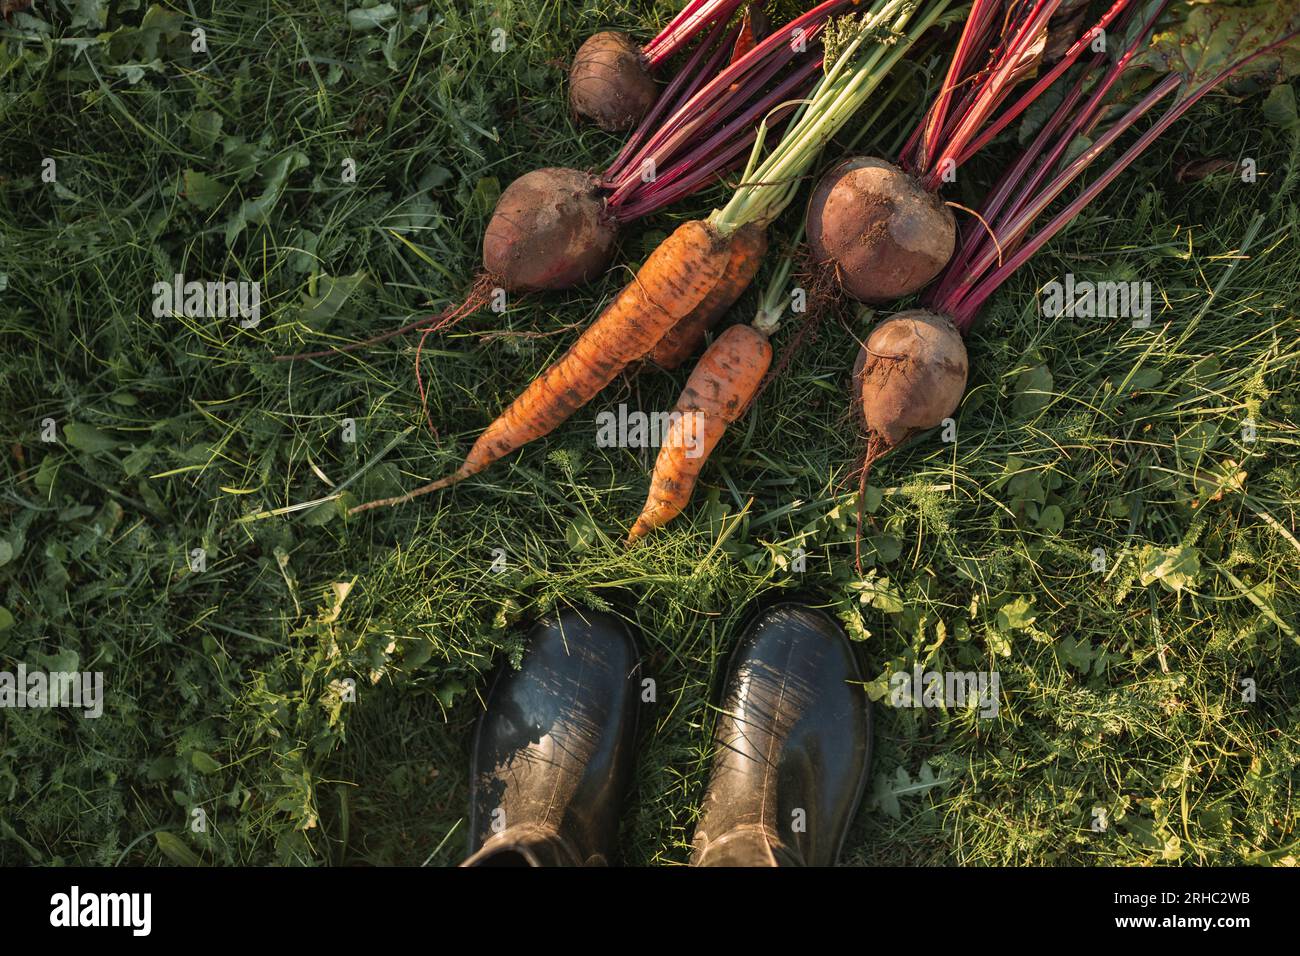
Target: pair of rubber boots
553,749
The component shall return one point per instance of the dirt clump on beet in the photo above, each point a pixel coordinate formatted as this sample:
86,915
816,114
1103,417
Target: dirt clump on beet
609,82
884,236
549,230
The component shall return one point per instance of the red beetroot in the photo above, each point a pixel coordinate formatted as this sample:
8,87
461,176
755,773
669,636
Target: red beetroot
549,231
884,235
610,82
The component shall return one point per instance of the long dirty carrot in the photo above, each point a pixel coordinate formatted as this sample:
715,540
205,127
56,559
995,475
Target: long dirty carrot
717,393
678,276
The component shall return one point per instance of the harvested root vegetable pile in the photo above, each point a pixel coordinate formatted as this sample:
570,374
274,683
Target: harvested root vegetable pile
878,229
704,266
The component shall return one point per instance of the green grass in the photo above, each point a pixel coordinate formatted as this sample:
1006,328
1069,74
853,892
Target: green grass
224,688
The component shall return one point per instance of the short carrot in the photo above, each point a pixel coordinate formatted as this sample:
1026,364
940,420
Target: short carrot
717,393
677,277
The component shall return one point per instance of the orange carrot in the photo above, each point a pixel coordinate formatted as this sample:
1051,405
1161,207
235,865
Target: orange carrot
748,246
716,394
676,278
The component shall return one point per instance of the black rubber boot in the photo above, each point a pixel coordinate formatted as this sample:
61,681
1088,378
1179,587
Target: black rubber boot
553,750
793,746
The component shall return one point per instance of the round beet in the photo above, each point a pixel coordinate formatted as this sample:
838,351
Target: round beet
885,236
910,375
549,231
609,82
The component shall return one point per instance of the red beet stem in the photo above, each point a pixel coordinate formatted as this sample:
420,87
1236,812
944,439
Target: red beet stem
727,153
705,132
963,271
696,17
965,303
737,127
992,88
923,143
1058,69
775,45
